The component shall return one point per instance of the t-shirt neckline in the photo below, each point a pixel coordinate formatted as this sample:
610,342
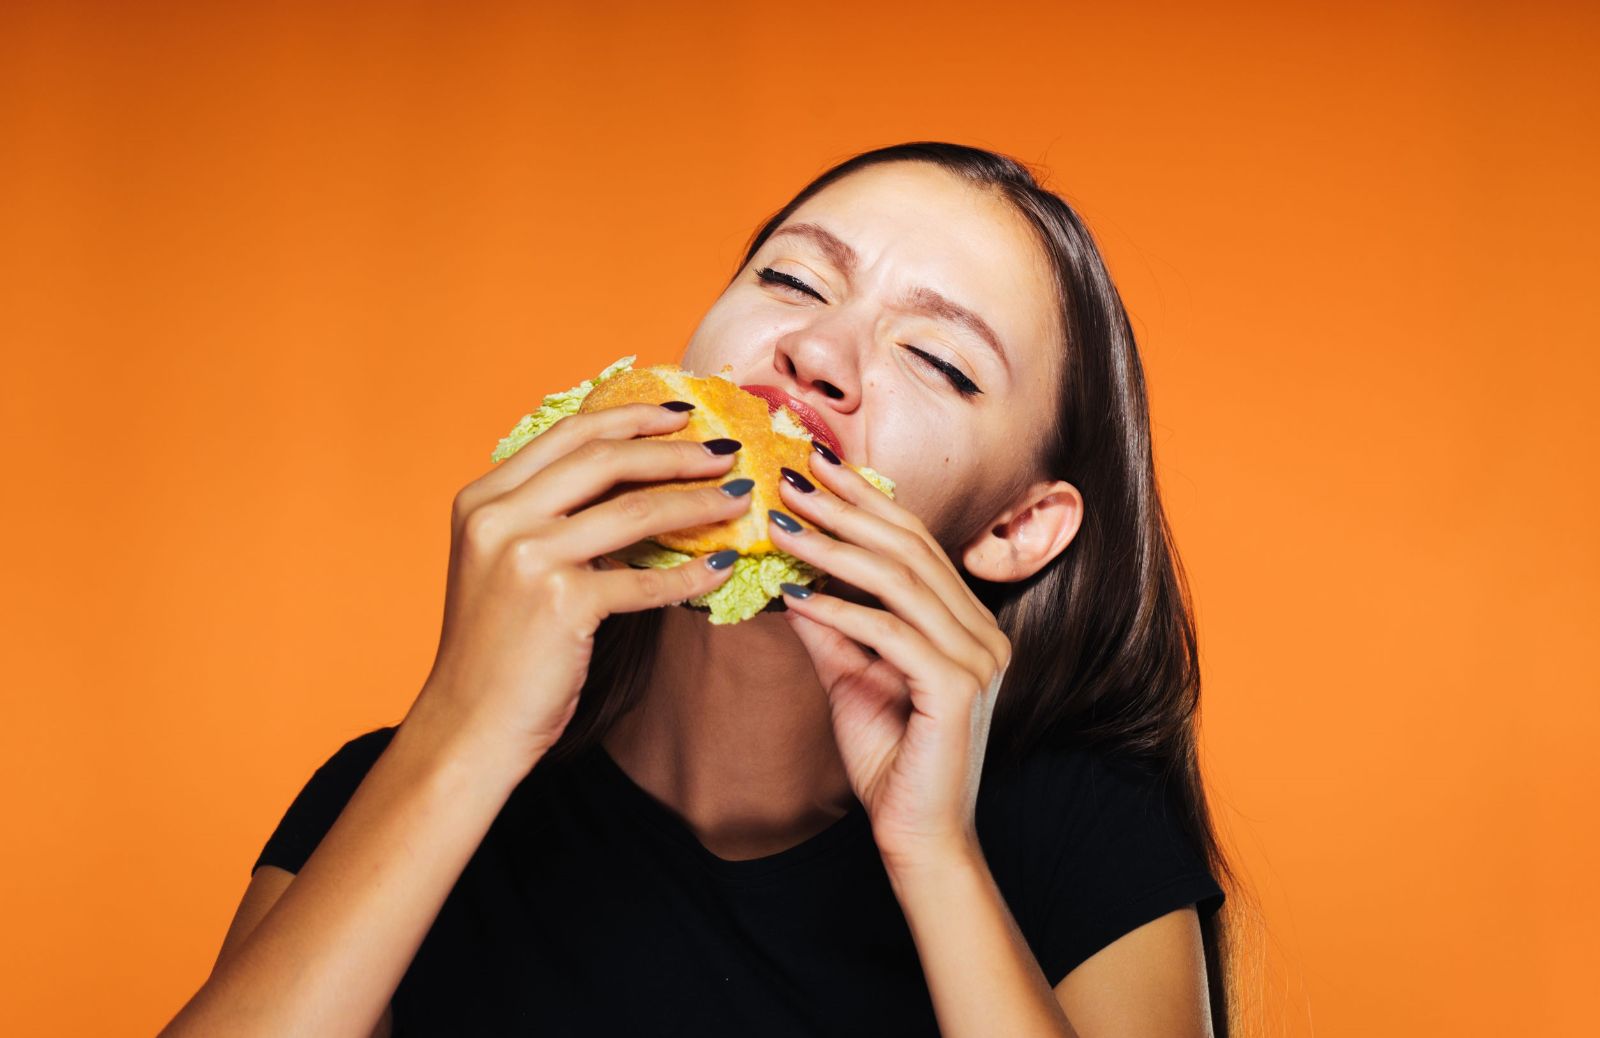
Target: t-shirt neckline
664,820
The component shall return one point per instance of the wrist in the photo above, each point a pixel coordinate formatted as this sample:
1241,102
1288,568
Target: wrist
436,733
935,863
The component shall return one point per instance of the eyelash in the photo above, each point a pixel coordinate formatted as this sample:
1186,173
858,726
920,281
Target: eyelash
962,384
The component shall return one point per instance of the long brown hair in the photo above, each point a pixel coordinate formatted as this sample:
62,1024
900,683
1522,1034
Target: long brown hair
1104,649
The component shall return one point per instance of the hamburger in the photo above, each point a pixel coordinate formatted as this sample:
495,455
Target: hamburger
773,435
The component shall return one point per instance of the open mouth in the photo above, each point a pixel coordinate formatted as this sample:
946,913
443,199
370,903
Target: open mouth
808,416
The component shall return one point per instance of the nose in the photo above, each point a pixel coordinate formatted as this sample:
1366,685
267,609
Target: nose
822,359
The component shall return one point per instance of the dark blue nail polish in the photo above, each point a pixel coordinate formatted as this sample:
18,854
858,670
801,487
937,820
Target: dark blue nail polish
722,445
678,405
795,479
722,559
786,522
737,487
822,449
796,590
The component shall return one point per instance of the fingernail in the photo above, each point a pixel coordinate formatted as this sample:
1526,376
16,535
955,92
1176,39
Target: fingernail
722,559
797,590
796,480
823,450
678,405
722,445
737,487
786,522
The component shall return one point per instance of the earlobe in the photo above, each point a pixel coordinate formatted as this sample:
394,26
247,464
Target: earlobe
1023,539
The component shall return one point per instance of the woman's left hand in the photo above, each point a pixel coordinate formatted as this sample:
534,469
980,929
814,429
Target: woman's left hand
912,721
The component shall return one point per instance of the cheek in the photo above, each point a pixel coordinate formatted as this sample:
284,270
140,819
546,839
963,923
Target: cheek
948,478
935,478
733,332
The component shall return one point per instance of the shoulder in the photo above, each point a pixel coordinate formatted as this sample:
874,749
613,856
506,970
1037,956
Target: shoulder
361,752
1093,807
320,800
1076,787
1089,844
343,770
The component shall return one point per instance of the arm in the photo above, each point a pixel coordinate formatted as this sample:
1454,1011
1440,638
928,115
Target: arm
522,602
262,892
984,979
329,953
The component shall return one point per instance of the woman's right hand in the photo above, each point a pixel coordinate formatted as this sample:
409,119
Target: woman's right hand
526,591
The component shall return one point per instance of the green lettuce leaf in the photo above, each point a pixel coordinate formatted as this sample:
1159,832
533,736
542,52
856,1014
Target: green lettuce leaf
752,584
552,409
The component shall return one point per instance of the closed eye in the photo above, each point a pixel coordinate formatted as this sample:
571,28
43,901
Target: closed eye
962,384
773,277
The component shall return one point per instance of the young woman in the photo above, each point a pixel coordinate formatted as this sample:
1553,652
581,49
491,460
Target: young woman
955,794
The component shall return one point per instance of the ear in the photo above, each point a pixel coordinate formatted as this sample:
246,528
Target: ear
1020,541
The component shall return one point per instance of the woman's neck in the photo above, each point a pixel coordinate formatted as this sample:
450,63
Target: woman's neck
733,733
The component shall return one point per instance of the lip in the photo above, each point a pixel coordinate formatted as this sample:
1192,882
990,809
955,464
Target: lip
807,414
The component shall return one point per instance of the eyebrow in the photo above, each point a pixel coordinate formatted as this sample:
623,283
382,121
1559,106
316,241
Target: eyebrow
921,299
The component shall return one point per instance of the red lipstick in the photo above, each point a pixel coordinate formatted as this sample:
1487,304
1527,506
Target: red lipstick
807,414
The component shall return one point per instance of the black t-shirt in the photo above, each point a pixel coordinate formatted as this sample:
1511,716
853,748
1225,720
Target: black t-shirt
590,908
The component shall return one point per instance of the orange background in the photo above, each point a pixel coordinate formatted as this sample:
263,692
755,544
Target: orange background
275,282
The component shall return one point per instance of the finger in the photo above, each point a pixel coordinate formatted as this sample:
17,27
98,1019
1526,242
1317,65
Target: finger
638,515
621,422
938,684
628,590
898,586
588,473
831,652
883,538
852,487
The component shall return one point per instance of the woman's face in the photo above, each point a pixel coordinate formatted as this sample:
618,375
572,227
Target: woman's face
887,250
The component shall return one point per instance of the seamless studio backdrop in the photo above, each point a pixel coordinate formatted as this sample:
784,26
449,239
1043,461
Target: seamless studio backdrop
275,279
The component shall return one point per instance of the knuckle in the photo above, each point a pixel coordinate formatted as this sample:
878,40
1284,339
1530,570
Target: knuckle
528,562
633,506
460,506
884,625
565,434
999,663
908,543
901,573
558,586
652,583
566,592
598,451
1002,656
482,526
928,549
577,423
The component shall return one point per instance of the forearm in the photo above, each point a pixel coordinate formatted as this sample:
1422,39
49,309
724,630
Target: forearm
328,956
980,971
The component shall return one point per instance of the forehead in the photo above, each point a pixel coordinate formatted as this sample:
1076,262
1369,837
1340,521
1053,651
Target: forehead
914,224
